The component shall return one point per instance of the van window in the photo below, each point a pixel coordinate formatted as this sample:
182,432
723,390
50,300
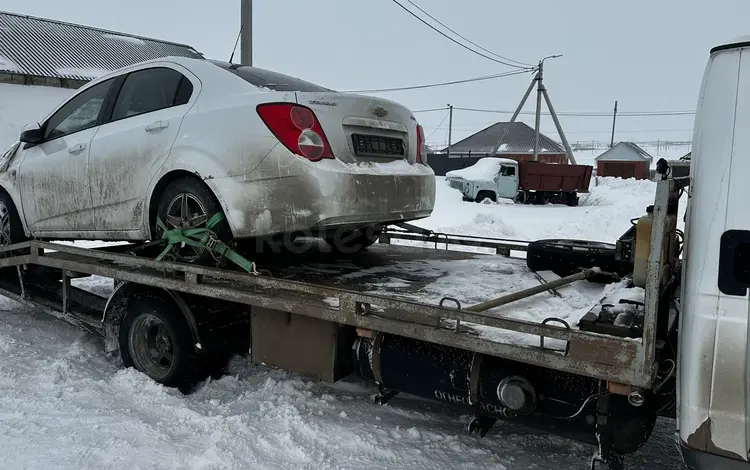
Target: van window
734,262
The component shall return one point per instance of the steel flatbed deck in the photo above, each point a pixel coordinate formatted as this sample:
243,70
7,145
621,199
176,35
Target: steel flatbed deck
357,291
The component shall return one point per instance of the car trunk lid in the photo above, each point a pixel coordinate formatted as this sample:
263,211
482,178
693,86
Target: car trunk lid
364,128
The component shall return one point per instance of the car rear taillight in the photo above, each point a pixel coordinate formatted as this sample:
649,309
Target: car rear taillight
421,148
297,129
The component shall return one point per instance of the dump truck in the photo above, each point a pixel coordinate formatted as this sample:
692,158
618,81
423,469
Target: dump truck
673,342
526,182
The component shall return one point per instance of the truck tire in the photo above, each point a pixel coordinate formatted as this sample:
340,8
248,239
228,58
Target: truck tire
155,339
482,195
566,257
571,199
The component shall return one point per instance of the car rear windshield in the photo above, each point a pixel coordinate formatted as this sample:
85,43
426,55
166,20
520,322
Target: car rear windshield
271,80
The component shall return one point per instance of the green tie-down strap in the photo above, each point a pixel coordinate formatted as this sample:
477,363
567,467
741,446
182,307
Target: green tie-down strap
203,238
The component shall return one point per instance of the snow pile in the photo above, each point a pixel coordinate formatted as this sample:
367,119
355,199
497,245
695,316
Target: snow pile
21,105
397,167
483,170
612,191
65,405
604,213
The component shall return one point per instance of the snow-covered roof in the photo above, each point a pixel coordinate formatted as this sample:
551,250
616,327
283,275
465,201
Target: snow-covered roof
520,140
47,48
484,169
625,151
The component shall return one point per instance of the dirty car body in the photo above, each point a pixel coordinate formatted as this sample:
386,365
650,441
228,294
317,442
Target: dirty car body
280,154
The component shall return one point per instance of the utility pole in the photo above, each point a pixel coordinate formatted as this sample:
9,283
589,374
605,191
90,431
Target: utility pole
541,93
450,128
246,33
539,96
614,120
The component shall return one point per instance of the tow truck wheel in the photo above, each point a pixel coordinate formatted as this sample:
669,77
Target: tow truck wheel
155,339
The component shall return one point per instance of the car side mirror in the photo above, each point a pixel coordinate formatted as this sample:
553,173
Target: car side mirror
31,136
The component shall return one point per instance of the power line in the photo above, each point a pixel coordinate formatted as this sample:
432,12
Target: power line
572,113
438,126
588,113
624,131
433,85
523,64
460,44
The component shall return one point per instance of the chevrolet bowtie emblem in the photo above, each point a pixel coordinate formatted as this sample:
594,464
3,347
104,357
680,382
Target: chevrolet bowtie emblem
380,112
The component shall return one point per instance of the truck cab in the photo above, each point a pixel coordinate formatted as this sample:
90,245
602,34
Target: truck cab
714,377
489,178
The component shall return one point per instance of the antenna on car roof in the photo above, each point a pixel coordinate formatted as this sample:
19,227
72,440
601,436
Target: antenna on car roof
235,45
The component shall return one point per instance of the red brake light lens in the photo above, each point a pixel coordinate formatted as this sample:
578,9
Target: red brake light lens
421,153
297,129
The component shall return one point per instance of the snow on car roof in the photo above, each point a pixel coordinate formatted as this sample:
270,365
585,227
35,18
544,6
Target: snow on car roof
483,170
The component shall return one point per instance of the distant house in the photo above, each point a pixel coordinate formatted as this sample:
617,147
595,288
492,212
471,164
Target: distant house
38,51
624,160
518,145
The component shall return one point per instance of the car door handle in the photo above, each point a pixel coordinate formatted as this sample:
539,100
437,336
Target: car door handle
76,148
156,126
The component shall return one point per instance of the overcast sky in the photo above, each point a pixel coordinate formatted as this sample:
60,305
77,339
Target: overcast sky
648,54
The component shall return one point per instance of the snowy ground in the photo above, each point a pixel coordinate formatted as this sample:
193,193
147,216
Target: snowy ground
65,404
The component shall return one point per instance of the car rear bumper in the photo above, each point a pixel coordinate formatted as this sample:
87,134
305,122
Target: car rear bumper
325,196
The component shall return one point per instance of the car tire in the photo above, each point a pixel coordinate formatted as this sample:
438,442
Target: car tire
201,206
11,230
352,241
156,340
566,257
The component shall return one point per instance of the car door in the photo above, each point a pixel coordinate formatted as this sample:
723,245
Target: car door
53,176
133,143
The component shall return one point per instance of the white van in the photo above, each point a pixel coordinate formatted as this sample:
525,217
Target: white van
714,380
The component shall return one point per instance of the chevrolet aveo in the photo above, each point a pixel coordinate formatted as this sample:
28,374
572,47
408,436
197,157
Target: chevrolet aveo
181,139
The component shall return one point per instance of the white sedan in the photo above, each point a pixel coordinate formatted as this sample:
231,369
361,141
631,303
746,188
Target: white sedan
182,139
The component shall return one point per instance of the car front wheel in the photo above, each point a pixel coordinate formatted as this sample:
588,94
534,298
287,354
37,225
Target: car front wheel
11,230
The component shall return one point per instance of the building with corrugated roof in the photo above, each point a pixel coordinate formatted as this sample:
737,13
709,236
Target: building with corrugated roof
624,160
518,145
39,51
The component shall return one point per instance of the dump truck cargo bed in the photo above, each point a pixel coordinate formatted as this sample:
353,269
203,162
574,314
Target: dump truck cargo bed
538,176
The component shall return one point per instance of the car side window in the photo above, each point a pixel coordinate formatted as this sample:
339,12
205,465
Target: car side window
78,114
508,170
149,90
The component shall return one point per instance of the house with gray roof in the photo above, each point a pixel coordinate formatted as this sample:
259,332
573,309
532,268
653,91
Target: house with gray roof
624,160
39,51
517,145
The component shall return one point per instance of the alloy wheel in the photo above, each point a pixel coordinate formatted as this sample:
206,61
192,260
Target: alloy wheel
186,211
